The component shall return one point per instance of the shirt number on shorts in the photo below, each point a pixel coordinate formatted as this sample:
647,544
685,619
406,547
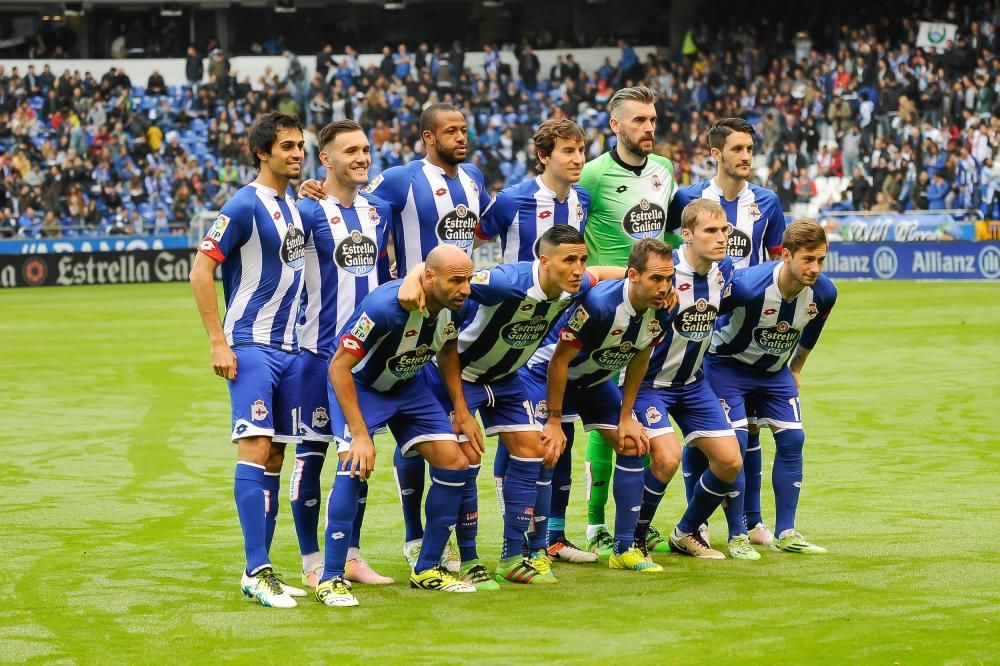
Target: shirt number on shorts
796,407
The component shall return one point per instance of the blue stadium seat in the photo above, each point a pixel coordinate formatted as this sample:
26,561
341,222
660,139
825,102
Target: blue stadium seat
138,91
36,103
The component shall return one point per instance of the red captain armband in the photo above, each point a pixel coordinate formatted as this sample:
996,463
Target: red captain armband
772,251
352,345
590,277
570,337
211,248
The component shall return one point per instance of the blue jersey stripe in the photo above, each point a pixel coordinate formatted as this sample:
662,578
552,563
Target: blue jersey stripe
742,338
692,349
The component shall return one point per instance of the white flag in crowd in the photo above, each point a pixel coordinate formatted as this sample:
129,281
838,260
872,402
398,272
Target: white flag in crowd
935,35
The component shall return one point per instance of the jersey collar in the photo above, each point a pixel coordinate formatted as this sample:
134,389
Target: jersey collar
536,292
682,265
265,189
545,188
437,169
637,170
629,310
717,190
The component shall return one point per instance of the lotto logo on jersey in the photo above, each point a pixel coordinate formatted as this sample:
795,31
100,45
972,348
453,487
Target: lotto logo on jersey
545,214
458,227
696,321
407,364
644,220
293,248
523,334
356,254
739,245
578,319
320,417
362,327
777,339
219,228
258,410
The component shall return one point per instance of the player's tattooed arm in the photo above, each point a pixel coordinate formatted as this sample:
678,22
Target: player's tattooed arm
796,362
451,374
360,458
553,437
203,284
631,435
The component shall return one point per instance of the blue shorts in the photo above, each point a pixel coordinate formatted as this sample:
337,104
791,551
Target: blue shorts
313,374
597,406
409,412
503,406
266,395
694,407
771,396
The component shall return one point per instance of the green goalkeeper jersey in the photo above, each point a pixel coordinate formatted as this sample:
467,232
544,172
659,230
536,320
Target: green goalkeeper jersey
626,204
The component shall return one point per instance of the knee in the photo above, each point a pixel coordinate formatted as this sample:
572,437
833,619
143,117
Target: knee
664,465
789,443
450,457
728,464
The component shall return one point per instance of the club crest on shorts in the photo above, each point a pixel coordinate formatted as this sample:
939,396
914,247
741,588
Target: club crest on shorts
320,417
542,410
258,410
725,406
653,415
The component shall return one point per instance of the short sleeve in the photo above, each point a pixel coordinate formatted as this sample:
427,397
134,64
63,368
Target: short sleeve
231,229
391,186
581,327
369,324
498,216
824,306
775,227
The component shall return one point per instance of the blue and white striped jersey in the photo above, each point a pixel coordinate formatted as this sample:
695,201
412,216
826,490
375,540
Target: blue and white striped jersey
608,332
393,344
677,361
345,259
760,328
260,242
429,208
756,215
506,319
521,213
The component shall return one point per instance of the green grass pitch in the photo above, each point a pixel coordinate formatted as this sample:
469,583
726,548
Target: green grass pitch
119,541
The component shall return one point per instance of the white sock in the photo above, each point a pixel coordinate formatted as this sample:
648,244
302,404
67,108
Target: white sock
786,533
594,529
312,560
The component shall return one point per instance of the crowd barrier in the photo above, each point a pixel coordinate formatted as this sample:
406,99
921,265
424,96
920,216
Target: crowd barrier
93,244
958,260
92,268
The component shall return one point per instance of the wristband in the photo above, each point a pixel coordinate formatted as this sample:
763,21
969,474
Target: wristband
555,413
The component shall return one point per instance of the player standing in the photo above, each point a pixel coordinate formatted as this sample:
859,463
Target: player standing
630,191
435,200
519,215
675,386
758,350
345,259
259,241
615,326
758,222
378,378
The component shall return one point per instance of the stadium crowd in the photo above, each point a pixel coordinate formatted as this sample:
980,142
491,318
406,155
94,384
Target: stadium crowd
97,153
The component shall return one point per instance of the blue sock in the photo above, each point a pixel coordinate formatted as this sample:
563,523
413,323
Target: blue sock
519,494
753,473
410,482
341,508
248,490
562,481
443,500
652,493
786,477
627,489
359,517
538,537
467,527
735,518
304,493
708,495
272,486
693,463
501,460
